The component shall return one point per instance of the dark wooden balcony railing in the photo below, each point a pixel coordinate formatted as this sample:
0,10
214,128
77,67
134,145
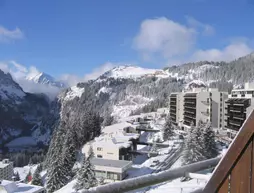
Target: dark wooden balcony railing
235,172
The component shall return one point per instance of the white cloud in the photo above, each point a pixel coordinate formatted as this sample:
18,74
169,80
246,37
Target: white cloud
229,53
7,35
162,40
206,29
72,79
4,67
164,37
99,71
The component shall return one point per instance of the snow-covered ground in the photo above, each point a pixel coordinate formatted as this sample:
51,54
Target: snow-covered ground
131,103
129,71
23,171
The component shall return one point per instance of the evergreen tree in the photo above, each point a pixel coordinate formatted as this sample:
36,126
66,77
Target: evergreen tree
56,144
28,177
210,148
168,129
56,177
101,181
40,167
36,180
108,120
154,146
86,175
16,176
69,152
193,150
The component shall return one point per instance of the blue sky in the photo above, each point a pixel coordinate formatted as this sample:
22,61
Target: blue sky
83,38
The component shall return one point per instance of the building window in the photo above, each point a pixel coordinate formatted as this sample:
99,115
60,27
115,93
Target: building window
99,149
99,156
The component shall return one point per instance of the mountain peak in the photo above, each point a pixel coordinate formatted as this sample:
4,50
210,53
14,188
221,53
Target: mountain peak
44,78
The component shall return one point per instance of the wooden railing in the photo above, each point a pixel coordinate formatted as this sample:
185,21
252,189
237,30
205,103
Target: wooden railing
235,172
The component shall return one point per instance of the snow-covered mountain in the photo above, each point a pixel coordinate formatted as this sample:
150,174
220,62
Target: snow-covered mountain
23,114
122,91
132,72
46,79
10,90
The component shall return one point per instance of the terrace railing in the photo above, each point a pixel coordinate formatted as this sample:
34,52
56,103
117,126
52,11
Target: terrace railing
235,173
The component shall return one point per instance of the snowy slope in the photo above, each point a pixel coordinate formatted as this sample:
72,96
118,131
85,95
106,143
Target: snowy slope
131,103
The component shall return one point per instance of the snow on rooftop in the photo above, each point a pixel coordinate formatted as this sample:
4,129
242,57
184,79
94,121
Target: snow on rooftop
110,163
74,92
3,165
13,187
114,136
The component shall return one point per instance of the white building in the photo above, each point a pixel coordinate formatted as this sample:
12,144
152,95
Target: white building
13,187
6,170
176,108
113,146
200,104
239,105
111,169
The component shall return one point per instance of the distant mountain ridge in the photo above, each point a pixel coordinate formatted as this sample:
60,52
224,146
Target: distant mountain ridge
119,92
131,72
24,114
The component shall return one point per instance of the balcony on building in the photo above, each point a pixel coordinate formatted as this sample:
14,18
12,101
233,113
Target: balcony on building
190,95
238,102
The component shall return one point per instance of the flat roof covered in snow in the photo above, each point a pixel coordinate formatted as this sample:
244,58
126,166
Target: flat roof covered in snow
13,187
3,165
111,163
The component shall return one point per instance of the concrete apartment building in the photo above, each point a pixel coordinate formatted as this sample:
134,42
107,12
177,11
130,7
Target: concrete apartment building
6,170
176,108
115,170
112,154
114,148
199,104
238,106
